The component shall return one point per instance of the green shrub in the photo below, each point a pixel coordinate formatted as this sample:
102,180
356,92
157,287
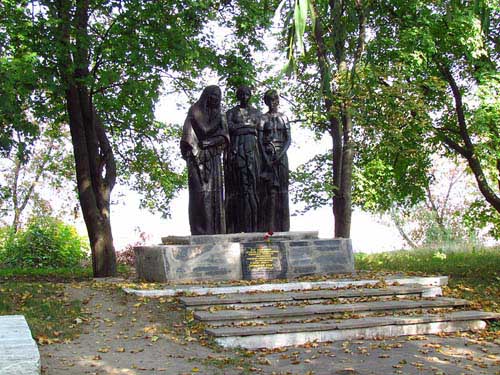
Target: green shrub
46,242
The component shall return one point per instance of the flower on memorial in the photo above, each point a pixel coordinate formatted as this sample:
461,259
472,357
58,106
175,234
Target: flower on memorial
267,236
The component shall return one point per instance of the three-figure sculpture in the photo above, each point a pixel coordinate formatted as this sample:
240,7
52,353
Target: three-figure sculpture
255,165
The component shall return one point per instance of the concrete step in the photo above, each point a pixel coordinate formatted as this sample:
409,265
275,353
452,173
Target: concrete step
280,335
311,296
18,351
436,281
308,311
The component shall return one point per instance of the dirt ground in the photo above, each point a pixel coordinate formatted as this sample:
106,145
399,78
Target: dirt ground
123,334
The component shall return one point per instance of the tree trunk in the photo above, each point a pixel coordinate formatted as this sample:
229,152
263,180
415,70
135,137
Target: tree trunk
339,131
343,200
94,161
15,198
342,176
93,190
21,199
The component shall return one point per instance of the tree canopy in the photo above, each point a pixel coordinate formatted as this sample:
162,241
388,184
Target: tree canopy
426,83
100,67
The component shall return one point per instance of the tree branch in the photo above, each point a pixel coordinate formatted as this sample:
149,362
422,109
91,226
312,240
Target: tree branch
107,158
98,49
38,175
452,144
361,37
459,108
401,230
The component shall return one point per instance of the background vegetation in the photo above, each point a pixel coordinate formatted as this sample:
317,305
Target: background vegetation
45,242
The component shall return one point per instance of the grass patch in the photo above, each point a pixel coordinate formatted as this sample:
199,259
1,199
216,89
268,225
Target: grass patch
483,294
57,274
474,275
51,316
52,274
477,264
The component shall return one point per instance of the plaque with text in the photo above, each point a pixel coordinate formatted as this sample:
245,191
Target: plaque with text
263,260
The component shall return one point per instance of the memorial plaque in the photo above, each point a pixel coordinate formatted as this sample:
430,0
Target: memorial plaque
263,260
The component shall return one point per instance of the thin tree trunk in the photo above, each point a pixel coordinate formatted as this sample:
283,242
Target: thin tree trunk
343,200
15,192
341,147
399,227
21,202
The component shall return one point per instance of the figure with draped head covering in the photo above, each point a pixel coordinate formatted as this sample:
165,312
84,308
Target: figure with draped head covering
203,142
242,165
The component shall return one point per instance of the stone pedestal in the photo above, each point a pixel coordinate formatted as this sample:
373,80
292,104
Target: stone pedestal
244,256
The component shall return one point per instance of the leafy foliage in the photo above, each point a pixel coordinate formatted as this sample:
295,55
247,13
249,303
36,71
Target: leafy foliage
453,73
312,183
328,61
46,242
135,50
481,215
417,91
388,126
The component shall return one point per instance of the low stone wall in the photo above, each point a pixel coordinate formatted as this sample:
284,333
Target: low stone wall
18,351
246,260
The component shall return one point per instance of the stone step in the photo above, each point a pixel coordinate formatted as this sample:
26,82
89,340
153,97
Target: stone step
436,281
309,311
280,335
259,299
18,351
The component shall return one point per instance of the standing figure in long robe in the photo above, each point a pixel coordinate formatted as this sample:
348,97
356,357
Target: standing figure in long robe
274,140
203,142
242,165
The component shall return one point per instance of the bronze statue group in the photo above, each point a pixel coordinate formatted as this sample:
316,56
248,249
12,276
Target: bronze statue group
237,165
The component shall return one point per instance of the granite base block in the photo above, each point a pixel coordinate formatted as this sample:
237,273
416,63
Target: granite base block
188,262
298,255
